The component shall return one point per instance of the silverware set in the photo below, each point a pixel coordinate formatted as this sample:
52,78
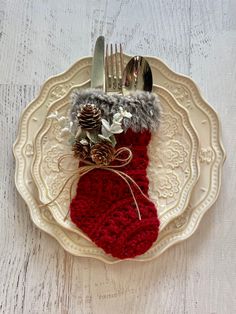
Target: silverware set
111,75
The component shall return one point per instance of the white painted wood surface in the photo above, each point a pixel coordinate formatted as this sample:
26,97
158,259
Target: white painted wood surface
42,38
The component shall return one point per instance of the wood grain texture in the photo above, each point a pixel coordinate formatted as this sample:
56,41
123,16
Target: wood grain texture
42,38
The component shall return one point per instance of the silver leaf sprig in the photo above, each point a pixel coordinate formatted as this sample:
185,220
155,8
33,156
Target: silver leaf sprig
106,132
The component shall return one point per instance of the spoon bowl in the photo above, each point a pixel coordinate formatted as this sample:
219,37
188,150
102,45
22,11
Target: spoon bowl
137,76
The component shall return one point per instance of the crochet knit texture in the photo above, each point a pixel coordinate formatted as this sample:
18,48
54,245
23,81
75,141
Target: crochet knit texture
104,208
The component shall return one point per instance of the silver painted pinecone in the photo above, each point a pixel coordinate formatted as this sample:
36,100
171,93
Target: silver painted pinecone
102,153
89,117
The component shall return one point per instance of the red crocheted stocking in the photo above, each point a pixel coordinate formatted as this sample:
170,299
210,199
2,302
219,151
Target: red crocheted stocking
104,208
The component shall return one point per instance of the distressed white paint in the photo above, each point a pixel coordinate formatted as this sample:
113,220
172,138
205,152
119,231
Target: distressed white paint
42,38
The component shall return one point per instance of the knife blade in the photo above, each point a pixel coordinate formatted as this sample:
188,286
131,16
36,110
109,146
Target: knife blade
98,70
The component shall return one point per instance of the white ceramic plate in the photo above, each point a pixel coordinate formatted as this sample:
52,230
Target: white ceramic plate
211,157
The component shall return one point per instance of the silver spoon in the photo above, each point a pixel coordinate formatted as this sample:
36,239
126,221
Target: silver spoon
137,76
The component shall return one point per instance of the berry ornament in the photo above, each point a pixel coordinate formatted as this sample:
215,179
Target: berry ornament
111,204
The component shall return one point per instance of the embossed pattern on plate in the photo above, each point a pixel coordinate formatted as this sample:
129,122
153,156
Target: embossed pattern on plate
211,158
172,171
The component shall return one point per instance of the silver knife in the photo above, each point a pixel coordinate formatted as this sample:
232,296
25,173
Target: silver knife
98,70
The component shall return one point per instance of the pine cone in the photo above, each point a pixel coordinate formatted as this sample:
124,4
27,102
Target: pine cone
81,151
89,117
102,153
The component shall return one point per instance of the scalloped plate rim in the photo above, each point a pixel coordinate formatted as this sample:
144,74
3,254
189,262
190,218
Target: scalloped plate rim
196,223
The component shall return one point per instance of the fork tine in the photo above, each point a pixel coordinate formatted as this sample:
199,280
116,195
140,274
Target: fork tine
117,68
112,66
121,67
107,69
121,60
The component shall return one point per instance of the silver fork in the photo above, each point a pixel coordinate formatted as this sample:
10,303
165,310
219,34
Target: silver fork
114,68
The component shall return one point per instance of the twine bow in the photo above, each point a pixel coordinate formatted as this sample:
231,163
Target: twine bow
89,166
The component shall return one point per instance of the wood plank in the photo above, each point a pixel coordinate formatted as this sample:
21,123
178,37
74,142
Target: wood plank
42,38
211,257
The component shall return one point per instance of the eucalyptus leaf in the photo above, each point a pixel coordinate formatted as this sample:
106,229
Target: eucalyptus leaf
105,132
78,132
124,113
93,137
116,128
113,140
71,140
104,138
105,124
82,133
117,117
